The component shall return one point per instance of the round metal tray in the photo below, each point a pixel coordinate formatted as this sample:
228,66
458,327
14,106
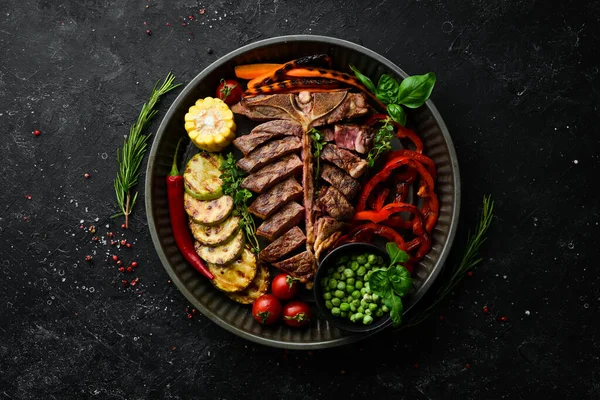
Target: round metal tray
236,318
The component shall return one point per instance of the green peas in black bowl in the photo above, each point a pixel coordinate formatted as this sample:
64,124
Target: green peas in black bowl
342,290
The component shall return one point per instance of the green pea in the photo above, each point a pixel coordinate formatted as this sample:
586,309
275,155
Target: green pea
344,314
332,283
349,298
337,276
384,308
372,258
368,276
343,259
379,313
364,291
361,259
373,306
341,285
348,273
361,271
354,265
336,302
335,311
368,266
368,312
339,294
360,309
349,289
367,287
329,305
356,294
355,303
368,298
358,284
359,316
367,319
353,257
327,295
376,297
350,281
344,306
340,269
353,308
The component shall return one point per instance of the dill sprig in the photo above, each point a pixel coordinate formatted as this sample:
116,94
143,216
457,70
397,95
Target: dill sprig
134,148
232,177
469,260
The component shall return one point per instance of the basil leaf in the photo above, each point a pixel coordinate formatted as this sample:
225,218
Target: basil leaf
394,303
397,113
379,283
387,89
364,79
400,279
416,89
396,254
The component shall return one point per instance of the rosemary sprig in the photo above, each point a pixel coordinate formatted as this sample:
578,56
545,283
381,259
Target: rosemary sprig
232,177
469,260
382,142
134,148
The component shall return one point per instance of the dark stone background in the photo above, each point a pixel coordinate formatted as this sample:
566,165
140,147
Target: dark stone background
518,89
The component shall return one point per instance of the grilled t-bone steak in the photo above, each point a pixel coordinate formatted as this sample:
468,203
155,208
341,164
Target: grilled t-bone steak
275,198
269,152
335,204
340,180
284,245
265,132
305,110
272,174
352,164
353,137
290,215
327,231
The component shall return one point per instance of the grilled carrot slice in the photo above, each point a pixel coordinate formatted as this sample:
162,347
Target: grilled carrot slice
251,71
317,60
294,86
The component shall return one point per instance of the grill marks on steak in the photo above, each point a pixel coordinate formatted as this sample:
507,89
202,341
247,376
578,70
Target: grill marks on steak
269,152
284,245
333,202
272,174
352,164
327,232
275,198
340,180
265,132
290,215
301,266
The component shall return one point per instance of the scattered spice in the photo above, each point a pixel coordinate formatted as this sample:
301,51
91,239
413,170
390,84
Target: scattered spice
148,32
486,310
123,242
173,348
467,366
184,24
169,282
112,242
503,319
128,245
125,282
92,229
122,269
24,218
470,273
134,264
168,24
189,316
129,269
28,196
194,311
134,282
36,133
119,262
88,258
202,11
95,238
86,175
115,257
191,17
110,234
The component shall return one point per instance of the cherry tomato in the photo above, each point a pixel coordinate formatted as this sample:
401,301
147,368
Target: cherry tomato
296,313
266,309
284,287
230,91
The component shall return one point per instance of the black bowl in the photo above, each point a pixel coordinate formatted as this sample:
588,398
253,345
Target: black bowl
328,262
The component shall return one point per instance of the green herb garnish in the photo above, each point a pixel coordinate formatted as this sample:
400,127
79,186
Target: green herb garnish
381,142
469,260
392,283
232,177
412,92
134,148
318,142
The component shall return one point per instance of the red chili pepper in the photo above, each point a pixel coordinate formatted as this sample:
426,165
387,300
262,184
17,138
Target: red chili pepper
179,222
404,132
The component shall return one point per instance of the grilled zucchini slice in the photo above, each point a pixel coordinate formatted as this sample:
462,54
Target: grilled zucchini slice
224,253
258,287
217,234
201,176
208,212
237,275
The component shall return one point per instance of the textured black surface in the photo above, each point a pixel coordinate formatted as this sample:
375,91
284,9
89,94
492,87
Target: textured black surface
518,90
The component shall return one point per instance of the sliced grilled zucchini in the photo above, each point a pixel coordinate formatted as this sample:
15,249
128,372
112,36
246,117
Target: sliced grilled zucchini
201,176
224,253
237,275
258,287
217,234
208,212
